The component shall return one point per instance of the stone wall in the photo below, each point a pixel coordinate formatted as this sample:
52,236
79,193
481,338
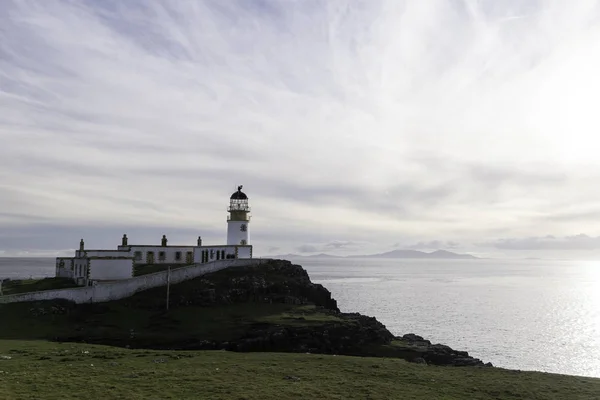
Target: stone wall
107,291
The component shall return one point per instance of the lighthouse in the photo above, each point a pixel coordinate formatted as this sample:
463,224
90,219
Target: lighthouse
238,219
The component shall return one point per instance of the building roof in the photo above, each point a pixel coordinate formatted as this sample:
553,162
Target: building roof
239,195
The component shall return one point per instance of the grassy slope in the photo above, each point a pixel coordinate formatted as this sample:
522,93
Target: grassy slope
36,285
73,371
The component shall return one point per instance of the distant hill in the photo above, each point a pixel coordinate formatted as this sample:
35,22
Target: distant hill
438,254
281,256
285,256
323,255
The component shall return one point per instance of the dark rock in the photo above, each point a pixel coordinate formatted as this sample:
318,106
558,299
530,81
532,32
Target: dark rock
412,338
277,281
273,282
437,354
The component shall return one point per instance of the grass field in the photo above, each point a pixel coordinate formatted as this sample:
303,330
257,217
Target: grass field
36,285
43,370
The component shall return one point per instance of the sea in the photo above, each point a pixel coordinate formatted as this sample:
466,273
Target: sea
520,314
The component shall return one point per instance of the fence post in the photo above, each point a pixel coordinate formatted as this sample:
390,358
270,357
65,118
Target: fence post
168,285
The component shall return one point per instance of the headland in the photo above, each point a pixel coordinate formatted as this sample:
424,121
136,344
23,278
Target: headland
264,313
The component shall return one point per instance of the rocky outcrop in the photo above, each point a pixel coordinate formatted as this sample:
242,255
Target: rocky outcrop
437,354
280,281
277,281
349,336
301,316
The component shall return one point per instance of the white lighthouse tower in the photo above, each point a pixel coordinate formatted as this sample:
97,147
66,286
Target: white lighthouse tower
238,219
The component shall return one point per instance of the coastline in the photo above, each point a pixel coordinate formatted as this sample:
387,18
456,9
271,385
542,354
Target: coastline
289,347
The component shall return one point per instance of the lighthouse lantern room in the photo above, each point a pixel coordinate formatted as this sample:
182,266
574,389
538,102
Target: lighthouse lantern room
238,219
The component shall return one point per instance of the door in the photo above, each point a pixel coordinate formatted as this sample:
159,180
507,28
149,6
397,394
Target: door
150,257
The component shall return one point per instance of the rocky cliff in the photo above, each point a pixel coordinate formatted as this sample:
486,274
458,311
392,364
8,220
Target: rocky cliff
271,306
280,281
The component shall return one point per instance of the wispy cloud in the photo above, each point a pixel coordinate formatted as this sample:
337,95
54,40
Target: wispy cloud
363,121
345,247
548,242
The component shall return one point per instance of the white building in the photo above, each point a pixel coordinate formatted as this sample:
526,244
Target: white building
97,265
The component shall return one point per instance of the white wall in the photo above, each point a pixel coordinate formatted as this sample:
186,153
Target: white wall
245,252
109,269
235,234
65,271
80,267
170,254
109,291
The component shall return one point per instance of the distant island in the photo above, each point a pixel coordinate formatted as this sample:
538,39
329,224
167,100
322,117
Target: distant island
438,254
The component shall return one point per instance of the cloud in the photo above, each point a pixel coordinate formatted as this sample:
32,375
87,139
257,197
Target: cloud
307,248
47,237
339,244
272,249
549,242
361,120
335,246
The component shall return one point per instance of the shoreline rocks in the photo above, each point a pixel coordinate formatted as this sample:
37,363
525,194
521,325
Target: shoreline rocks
439,354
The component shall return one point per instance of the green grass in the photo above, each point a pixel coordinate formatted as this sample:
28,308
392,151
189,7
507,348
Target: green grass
36,285
42,370
300,315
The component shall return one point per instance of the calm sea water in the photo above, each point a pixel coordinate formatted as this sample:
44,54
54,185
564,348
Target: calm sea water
26,267
529,315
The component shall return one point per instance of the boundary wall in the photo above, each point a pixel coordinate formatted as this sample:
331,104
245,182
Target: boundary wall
116,290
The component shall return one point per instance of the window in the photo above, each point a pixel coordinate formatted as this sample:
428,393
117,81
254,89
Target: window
161,256
243,242
243,228
178,256
137,255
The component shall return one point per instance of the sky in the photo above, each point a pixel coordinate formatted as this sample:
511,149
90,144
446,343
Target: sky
355,126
